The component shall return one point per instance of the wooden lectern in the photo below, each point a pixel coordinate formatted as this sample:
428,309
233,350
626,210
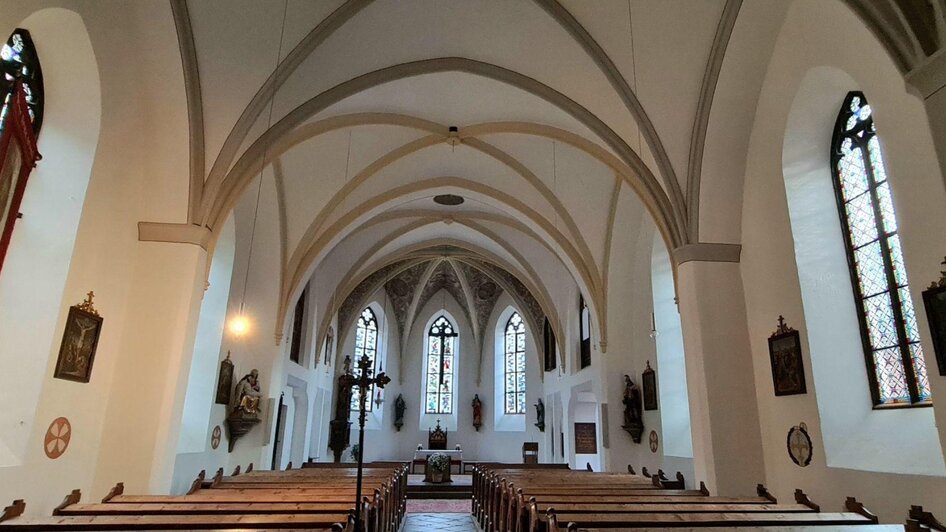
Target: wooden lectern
530,452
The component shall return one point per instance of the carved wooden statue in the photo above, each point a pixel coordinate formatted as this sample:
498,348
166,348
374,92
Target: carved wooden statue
540,415
477,412
633,421
399,407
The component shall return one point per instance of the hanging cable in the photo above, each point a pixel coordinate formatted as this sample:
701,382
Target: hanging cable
240,325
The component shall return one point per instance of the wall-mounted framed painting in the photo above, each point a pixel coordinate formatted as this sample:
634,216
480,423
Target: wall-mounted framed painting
788,371
649,384
79,342
934,299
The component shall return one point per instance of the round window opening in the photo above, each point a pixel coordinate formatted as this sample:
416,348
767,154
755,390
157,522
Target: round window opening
448,199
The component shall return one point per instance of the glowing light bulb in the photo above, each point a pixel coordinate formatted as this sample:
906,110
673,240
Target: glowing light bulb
239,325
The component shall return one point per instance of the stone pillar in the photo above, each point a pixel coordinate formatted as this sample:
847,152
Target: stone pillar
727,444
143,414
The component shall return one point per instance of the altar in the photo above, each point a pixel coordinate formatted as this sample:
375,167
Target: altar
421,456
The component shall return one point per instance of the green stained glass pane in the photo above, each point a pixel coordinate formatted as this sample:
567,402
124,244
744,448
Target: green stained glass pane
860,220
891,379
896,257
871,271
851,170
919,365
876,160
909,315
886,208
431,403
880,321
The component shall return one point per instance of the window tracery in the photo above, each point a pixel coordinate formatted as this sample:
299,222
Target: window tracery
514,366
896,369
19,61
441,351
366,343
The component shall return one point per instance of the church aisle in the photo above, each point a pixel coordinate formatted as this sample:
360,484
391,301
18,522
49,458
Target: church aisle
442,522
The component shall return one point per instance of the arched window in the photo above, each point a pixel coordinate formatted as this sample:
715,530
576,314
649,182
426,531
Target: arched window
584,331
441,348
514,368
887,317
366,343
18,60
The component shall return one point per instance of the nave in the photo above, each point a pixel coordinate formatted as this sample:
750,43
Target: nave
694,236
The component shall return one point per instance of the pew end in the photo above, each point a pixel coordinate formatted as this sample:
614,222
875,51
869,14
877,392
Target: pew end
645,472
920,519
249,468
763,492
802,498
703,489
236,471
588,467
72,498
116,490
630,469
218,478
289,466
14,510
198,483
852,505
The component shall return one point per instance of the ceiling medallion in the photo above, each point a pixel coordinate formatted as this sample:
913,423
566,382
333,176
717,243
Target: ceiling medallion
451,200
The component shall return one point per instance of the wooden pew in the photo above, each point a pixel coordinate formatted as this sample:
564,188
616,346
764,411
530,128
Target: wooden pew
536,501
252,500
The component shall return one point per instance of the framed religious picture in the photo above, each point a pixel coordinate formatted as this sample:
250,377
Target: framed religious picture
224,381
79,342
18,156
788,372
586,438
934,299
649,382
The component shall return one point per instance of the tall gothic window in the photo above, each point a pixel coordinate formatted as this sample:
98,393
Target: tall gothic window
441,348
18,60
584,330
514,369
298,325
887,317
366,343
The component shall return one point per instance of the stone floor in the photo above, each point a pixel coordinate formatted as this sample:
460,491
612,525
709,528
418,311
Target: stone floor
439,522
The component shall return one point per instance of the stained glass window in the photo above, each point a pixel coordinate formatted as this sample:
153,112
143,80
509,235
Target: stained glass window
887,317
441,356
19,61
366,343
514,365
584,330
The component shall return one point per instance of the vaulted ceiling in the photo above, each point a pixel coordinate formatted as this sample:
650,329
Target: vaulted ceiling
546,116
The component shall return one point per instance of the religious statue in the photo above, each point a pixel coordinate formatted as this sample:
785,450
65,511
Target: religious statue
477,412
248,392
633,421
246,409
399,407
540,415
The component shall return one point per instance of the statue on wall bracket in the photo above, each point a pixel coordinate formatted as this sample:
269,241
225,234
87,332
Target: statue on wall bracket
633,421
540,415
477,412
245,413
399,407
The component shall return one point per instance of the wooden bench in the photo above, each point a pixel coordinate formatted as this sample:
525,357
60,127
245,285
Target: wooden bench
513,500
257,500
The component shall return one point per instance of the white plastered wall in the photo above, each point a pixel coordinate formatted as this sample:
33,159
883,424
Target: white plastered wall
823,39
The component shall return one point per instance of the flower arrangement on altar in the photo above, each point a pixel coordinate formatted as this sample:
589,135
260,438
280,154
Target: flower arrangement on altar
439,462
